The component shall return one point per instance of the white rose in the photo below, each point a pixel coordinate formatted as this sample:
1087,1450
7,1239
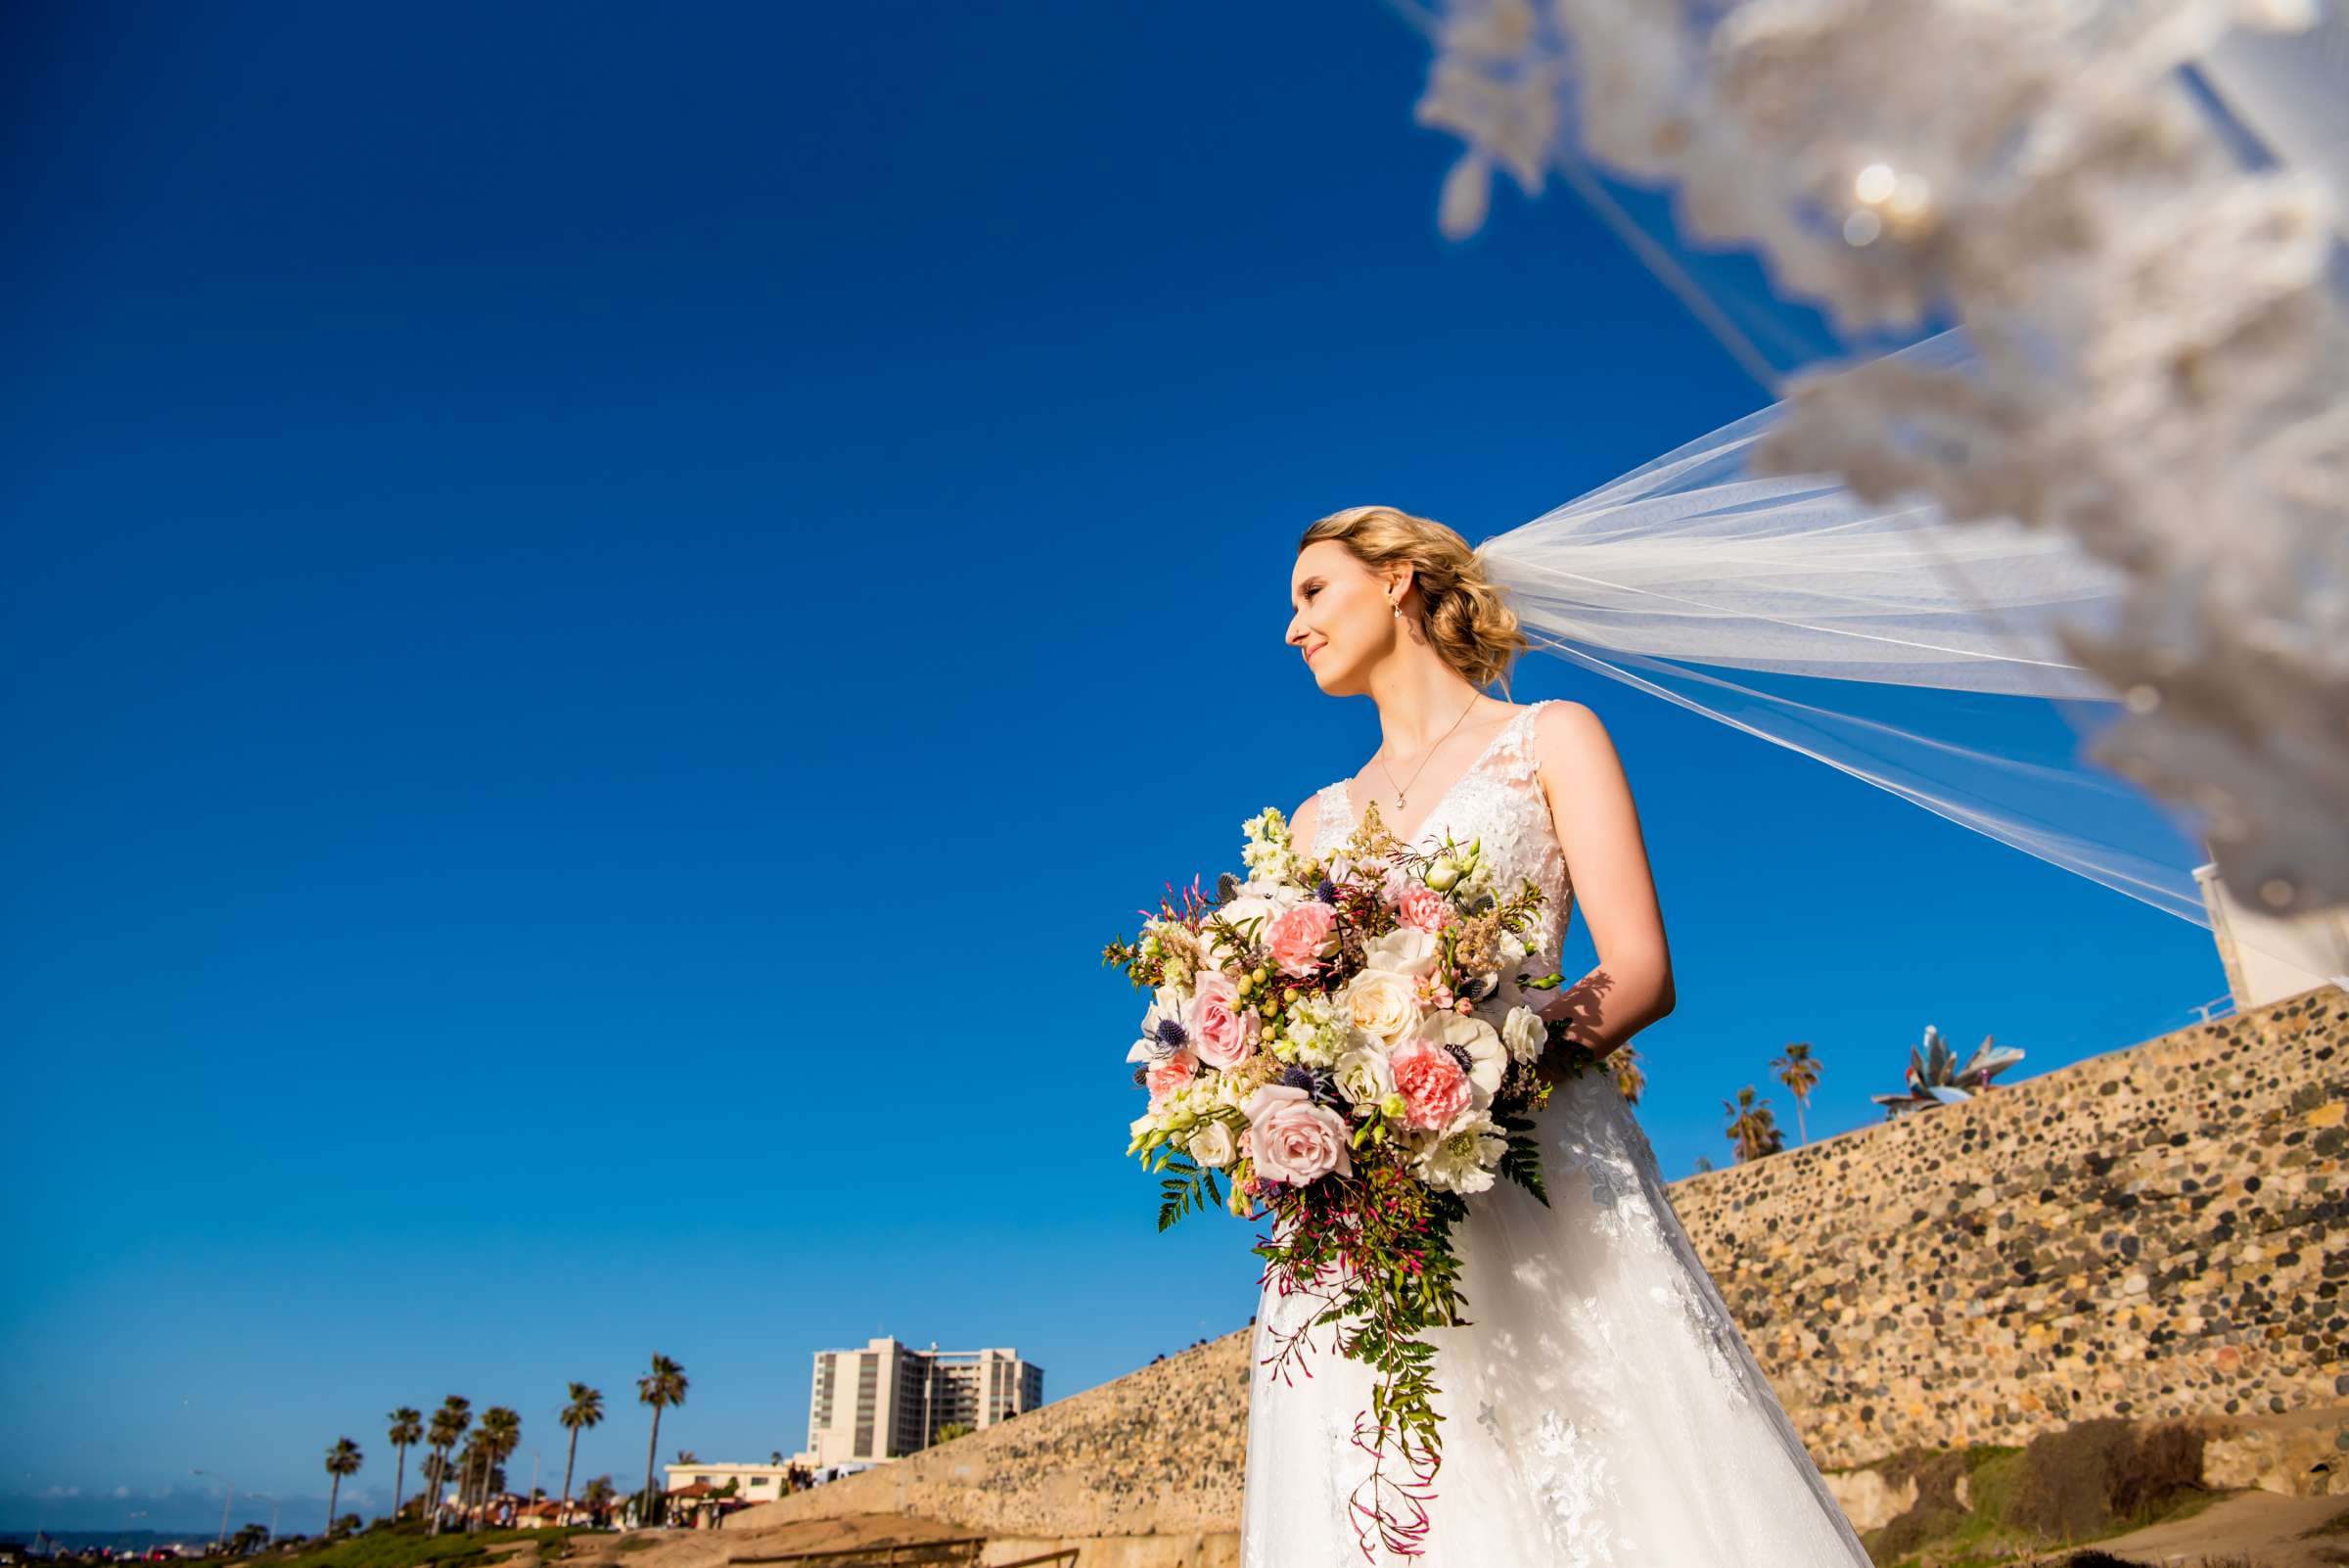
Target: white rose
1380,1003
1525,1034
1363,1074
1403,950
1487,1057
1212,1144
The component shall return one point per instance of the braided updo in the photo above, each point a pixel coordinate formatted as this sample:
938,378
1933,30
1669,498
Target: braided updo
1470,622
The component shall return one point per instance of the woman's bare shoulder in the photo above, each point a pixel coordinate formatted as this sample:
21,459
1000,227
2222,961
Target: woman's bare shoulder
1306,820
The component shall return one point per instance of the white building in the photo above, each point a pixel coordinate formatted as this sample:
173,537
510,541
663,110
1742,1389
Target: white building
754,1483
888,1398
2270,957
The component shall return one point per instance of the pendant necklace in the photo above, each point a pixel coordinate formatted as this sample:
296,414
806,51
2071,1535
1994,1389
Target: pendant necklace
1401,799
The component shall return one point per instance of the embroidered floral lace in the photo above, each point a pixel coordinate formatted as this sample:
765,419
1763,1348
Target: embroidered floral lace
1600,1406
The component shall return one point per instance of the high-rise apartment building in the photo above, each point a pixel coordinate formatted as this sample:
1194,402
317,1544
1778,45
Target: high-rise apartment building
890,1399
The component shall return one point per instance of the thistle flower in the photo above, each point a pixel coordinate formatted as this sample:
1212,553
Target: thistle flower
1321,1086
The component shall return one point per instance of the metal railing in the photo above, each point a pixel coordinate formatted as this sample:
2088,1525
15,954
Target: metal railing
954,1552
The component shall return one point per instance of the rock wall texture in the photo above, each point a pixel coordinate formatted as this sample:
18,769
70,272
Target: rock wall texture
1157,1453
2154,1231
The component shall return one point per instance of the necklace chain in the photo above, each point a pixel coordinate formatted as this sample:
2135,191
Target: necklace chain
1400,798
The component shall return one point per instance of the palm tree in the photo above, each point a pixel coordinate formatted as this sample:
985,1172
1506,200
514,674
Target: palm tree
469,1470
585,1409
500,1434
407,1427
448,1431
1752,1126
1798,1070
436,1471
341,1460
596,1496
659,1388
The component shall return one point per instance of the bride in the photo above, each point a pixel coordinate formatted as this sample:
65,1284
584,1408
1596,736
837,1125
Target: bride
1599,1406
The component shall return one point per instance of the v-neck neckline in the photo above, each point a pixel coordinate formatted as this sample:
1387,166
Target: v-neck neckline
1353,818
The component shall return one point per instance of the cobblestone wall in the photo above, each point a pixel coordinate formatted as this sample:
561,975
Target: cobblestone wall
2154,1231
1155,1452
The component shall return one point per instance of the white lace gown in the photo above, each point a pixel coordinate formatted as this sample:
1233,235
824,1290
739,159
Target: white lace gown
1601,1407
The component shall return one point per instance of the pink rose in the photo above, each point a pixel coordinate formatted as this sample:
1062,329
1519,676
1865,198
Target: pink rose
1426,908
1293,1140
1301,937
1223,1030
1434,1090
1171,1073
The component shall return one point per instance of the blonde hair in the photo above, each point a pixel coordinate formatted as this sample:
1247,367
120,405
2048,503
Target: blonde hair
1469,623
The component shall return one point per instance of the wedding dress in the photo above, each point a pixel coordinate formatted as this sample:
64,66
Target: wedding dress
1600,1406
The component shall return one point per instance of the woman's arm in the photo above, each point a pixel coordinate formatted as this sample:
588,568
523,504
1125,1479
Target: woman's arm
1598,829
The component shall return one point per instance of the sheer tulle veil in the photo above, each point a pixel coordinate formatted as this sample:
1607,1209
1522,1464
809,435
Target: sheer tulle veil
1915,654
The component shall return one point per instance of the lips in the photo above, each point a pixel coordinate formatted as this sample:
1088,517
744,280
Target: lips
1314,649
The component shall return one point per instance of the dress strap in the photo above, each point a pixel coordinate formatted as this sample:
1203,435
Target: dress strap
1515,746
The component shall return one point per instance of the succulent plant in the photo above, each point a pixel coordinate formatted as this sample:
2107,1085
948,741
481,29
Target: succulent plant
1934,1077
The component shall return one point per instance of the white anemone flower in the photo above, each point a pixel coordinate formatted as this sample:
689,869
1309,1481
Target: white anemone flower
1488,1058
1464,1157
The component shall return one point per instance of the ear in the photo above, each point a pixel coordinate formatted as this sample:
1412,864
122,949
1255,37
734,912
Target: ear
1399,580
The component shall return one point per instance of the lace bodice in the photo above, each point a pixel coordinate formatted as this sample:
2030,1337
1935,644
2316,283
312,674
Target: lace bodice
1500,798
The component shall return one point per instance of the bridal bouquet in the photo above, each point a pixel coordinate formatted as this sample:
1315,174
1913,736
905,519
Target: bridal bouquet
1352,1046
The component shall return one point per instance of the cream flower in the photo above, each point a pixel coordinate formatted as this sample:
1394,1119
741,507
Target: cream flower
1525,1034
1380,1003
1403,950
1365,1075
1316,1031
1463,1157
1212,1143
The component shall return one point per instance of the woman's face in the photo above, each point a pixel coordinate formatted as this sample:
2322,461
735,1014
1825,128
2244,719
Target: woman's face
1345,619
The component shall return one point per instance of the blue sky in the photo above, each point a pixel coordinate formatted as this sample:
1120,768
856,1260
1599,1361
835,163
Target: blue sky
604,609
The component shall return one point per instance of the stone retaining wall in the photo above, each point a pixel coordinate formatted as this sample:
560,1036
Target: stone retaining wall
2154,1231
